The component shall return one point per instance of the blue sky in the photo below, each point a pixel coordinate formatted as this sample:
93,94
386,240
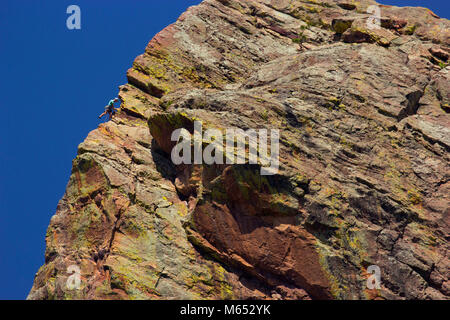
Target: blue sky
54,82
439,7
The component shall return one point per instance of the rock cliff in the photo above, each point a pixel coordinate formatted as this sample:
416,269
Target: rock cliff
364,162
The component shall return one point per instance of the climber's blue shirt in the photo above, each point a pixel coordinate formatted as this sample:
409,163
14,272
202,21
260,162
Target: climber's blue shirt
110,105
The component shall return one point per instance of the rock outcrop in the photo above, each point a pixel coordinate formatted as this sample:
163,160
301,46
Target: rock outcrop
364,162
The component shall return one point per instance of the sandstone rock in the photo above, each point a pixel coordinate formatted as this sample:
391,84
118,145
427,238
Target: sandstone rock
359,32
364,162
438,52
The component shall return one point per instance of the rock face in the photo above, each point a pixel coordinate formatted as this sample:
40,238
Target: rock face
364,162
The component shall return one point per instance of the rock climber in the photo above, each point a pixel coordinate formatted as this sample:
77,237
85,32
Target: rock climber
109,109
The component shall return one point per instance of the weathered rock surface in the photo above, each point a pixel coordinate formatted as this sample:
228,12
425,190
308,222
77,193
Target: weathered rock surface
364,162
